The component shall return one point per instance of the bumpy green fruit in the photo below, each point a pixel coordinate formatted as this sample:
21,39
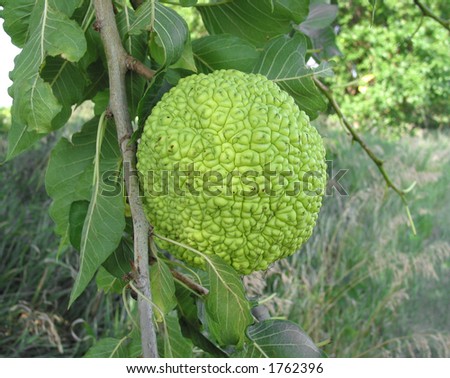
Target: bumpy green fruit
230,166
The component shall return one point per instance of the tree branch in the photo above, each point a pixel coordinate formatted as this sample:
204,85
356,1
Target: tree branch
189,283
378,162
117,68
140,68
428,13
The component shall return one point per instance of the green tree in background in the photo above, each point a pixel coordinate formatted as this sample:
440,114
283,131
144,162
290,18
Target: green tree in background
393,74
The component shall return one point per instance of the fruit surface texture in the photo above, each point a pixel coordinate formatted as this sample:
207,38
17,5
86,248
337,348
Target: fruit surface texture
230,166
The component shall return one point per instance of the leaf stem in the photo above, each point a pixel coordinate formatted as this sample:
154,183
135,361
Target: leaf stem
117,68
378,162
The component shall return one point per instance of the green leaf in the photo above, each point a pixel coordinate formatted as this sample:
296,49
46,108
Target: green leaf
50,32
255,21
120,262
19,139
187,304
317,28
68,84
224,51
324,69
175,345
200,340
279,339
186,60
101,101
152,95
98,81
66,80
37,104
163,289
69,174
324,40
227,309
67,6
190,323
93,40
320,16
105,219
16,14
169,31
77,215
108,283
114,348
283,61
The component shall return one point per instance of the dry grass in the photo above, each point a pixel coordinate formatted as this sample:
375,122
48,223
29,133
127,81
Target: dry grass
363,281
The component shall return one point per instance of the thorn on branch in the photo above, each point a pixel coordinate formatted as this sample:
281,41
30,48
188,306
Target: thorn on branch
108,113
97,25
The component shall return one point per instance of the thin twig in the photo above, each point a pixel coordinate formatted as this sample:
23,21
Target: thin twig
189,283
117,68
428,13
378,162
140,68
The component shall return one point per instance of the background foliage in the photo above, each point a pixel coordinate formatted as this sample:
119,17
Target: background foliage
393,74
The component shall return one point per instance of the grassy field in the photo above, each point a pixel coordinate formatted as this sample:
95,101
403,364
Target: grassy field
364,285
36,276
